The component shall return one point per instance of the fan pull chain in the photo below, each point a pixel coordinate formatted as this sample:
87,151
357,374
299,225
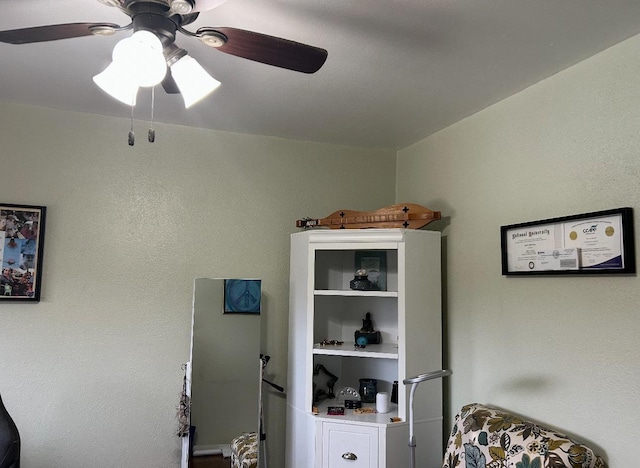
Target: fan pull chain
132,136
152,133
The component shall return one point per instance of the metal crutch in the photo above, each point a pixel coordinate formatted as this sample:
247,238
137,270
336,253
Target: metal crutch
415,381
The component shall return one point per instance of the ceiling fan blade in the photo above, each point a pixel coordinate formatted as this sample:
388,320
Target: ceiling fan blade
204,5
271,50
169,84
53,32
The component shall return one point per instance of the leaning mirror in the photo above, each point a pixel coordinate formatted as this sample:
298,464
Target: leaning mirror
225,364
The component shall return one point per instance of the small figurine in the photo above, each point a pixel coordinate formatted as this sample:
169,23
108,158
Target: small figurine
367,324
367,335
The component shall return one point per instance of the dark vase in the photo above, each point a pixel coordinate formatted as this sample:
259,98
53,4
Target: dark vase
368,390
394,392
360,283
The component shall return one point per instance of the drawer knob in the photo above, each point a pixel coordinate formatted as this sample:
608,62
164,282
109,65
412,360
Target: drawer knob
349,456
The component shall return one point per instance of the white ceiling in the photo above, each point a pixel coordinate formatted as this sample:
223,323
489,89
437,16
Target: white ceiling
397,70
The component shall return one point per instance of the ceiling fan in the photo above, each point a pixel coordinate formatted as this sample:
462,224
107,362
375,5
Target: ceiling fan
163,19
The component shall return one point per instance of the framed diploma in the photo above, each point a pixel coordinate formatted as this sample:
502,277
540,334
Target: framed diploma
589,243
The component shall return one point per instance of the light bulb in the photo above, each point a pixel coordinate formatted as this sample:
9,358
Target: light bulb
142,55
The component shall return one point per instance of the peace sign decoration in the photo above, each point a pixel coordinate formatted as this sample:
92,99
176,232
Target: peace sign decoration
242,296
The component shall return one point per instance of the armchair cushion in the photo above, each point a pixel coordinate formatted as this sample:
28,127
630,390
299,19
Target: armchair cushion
485,437
244,451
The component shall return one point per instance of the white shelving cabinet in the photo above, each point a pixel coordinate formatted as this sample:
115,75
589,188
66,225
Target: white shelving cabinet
408,315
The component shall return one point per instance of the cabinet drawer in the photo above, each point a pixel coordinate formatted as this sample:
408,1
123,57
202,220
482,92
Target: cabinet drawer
349,446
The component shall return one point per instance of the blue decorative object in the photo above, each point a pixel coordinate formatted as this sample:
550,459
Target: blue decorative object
242,296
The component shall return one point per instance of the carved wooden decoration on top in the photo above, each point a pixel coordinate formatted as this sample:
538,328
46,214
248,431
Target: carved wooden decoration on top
401,215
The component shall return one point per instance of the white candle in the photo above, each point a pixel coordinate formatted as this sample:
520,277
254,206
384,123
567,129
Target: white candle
382,402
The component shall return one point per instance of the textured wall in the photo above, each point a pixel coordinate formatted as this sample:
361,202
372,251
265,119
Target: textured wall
562,350
91,374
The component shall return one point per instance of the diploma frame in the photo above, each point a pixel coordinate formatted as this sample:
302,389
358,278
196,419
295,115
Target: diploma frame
625,263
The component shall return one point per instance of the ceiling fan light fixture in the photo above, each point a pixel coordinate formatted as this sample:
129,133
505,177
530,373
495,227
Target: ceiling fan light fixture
116,81
142,55
193,81
138,61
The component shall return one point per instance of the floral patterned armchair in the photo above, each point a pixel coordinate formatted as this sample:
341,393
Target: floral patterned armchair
484,437
244,451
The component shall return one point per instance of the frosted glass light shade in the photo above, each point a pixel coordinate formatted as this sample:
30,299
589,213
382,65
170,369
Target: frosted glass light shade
138,61
193,81
142,55
116,81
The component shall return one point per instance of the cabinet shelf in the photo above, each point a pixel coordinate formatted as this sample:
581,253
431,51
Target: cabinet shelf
379,351
353,293
351,417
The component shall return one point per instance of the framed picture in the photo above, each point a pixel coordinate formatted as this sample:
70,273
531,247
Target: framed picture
21,243
242,296
589,243
375,263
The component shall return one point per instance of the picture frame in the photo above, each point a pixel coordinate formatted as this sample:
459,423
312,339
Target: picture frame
21,249
375,263
599,242
242,296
